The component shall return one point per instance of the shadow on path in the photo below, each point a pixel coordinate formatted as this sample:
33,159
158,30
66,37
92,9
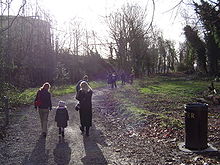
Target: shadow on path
39,154
62,152
93,153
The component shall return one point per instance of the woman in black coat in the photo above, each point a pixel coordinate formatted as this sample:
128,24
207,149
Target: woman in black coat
85,99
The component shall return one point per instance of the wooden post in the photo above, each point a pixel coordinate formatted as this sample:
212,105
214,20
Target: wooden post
5,100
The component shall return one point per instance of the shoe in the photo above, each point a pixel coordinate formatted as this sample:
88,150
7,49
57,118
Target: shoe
44,134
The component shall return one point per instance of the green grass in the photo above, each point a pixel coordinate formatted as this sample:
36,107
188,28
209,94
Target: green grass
127,104
97,84
176,89
66,89
62,90
22,98
169,93
27,96
170,121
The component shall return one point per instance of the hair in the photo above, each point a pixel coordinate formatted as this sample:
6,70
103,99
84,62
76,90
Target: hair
85,77
47,84
85,86
62,104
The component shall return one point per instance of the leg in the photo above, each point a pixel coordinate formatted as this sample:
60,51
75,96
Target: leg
62,132
45,113
41,118
59,130
87,131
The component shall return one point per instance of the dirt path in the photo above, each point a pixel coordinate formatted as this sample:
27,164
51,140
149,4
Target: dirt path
116,138
24,145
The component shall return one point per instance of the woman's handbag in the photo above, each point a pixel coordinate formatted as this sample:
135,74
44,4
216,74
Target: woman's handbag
38,103
77,107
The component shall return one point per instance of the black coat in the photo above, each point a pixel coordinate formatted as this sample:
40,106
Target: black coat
85,111
61,117
45,98
78,86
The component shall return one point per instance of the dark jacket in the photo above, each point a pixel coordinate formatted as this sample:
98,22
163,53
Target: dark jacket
45,97
61,117
78,86
85,111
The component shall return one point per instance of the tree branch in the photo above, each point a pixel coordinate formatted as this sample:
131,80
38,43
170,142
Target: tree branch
173,7
14,18
152,18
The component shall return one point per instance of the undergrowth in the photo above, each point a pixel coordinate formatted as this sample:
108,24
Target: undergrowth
24,97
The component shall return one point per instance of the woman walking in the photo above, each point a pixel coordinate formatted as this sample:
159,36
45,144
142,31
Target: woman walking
43,105
85,111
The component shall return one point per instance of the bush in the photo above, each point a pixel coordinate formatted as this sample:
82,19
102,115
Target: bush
182,67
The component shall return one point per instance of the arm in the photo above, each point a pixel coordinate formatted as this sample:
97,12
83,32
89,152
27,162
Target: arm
78,95
91,92
67,115
56,117
37,95
50,104
78,86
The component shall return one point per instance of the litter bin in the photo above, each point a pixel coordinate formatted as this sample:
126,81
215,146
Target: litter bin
196,126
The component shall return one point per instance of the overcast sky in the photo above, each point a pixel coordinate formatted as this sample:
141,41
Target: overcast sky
91,11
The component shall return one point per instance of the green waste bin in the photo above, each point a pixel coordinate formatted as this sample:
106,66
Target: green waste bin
196,126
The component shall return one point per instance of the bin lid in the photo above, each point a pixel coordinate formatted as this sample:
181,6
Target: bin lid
195,105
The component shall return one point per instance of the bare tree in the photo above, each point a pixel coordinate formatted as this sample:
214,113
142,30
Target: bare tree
128,29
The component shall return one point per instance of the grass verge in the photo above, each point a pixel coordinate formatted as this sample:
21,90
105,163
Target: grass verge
162,98
27,96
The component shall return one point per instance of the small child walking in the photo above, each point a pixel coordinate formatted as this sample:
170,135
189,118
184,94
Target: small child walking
61,117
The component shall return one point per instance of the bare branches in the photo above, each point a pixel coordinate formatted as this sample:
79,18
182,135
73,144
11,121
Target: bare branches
177,5
21,7
152,18
211,1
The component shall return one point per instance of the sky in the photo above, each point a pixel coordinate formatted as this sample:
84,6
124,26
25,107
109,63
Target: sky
93,11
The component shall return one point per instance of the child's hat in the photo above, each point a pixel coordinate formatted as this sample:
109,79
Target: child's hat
62,104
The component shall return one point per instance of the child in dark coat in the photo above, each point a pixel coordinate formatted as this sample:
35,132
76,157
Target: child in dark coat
61,117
